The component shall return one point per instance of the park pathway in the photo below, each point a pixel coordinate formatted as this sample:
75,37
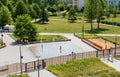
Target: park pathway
115,64
108,34
10,54
42,73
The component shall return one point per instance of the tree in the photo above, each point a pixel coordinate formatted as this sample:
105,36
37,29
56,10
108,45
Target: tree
90,10
113,9
119,5
20,8
101,6
5,16
32,12
52,2
24,29
44,13
107,11
5,2
44,16
71,16
52,9
37,10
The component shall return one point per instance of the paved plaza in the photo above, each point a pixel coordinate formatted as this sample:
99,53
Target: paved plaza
10,54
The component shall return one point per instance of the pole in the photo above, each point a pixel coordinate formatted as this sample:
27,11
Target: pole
83,28
20,59
115,45
60,53
38,66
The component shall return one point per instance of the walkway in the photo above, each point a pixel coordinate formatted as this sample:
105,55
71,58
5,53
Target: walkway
115,64
10,54
42,73
108,34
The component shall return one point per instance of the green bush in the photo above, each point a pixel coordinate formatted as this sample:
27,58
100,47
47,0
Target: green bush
111,23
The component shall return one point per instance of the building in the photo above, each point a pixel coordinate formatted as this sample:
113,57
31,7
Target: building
80,3
113,2
74,2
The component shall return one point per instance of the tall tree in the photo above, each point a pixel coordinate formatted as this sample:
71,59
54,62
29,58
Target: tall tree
52,2
44,16
119,5
24,29
32,12
107,11
44,13
37,10
90,10
5,16
101,6
20,9
72,15
5,2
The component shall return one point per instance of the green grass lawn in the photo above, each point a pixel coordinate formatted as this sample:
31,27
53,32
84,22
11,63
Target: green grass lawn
113,19
63,26
88,36
45,38
112,39
51,38
91,67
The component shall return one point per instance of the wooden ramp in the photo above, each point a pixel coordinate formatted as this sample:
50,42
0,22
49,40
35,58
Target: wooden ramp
99,44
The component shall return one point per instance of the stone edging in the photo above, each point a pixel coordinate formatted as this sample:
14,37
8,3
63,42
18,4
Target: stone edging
3,46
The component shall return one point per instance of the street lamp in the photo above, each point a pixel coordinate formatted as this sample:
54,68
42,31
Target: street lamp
38,66
83,29
21,57
115,45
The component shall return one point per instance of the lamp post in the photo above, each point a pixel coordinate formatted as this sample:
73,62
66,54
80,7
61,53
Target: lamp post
21,57
83,29
115,45
38,66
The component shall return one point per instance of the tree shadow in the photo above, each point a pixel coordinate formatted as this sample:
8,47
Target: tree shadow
96,31
14,43
42,23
